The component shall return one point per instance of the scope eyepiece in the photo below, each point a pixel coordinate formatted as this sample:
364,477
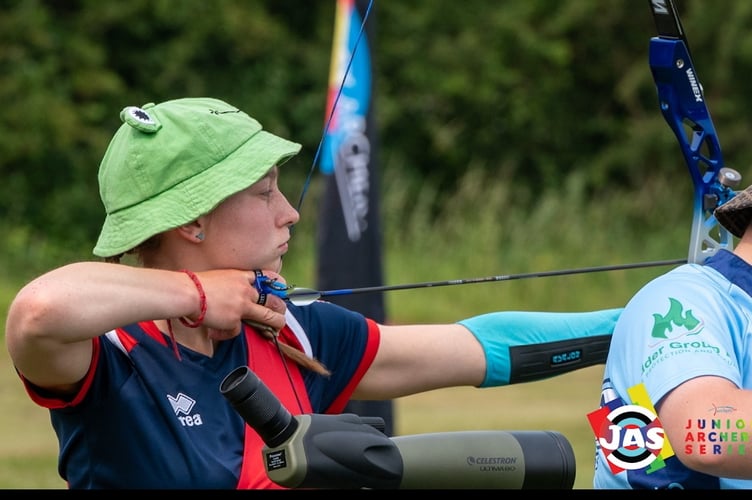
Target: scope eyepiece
258,406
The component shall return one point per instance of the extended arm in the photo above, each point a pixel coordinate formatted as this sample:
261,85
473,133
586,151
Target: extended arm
489,350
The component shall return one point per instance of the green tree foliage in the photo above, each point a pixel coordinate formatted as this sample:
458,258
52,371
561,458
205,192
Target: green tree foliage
70,67
531,92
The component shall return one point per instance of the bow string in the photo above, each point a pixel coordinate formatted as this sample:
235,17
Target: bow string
340,67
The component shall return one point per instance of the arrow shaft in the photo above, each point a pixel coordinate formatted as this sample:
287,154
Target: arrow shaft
503,277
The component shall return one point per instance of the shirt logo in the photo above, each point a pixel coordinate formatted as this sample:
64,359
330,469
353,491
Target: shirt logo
181,403
676,316
182,406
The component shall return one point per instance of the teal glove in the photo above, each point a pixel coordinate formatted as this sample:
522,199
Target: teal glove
526,346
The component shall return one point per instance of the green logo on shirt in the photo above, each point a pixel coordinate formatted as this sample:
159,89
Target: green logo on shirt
676,316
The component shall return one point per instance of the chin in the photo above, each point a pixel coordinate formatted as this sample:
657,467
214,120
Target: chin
275,265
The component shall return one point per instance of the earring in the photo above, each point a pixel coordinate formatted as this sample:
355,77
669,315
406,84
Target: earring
200,236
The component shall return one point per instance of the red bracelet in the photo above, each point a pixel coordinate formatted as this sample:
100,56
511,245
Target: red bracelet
202,298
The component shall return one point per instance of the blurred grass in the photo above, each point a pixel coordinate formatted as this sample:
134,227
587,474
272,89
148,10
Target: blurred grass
482,231
28,448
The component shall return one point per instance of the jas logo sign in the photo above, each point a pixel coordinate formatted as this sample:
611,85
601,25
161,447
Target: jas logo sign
631,437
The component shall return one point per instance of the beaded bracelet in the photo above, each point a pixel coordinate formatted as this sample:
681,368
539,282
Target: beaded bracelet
202,297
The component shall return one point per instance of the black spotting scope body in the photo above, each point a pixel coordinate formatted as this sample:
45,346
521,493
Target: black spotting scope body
348,451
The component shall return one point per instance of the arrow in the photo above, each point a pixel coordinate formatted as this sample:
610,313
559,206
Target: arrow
303,296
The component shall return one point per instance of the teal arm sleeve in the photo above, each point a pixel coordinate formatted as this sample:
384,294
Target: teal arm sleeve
522,346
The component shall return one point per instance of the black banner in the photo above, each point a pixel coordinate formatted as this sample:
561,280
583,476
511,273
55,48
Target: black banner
349,234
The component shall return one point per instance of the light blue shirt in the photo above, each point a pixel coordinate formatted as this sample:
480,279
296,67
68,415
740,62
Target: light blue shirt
692,321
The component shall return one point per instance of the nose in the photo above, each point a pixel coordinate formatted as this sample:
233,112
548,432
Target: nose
291,215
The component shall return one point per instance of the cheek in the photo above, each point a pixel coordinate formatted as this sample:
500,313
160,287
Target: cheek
245,216
247,230
242,216
238,246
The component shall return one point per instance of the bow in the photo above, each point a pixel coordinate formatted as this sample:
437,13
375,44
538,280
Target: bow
682,103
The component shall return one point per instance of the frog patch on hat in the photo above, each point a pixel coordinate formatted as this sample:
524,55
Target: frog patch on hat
140,119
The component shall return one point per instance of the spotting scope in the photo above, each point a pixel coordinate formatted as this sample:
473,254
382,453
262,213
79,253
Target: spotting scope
348,451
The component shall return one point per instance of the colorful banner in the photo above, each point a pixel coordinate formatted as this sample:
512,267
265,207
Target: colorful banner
349,234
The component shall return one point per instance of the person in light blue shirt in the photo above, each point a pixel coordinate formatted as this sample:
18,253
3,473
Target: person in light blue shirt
686,339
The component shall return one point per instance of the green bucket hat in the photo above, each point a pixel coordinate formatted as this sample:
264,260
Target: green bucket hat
172,162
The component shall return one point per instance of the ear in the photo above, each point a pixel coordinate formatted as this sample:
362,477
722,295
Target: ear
192,231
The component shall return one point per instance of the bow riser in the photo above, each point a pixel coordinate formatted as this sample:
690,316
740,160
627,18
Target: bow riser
682,104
